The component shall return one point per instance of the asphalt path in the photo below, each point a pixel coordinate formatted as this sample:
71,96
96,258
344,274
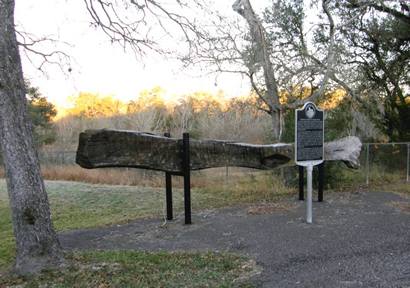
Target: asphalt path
355,240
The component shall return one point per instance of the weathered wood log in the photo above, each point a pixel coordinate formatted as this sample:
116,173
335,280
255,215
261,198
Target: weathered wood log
116,148
346,149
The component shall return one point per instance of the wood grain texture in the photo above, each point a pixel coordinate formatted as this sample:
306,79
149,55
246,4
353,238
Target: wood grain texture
117,148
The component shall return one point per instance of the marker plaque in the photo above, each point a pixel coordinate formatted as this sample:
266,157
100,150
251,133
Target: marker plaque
309,134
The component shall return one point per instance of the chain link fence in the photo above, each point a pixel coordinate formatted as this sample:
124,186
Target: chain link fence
385,158
378,161
57,157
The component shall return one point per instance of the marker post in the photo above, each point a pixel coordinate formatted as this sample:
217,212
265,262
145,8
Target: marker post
309,194
309,135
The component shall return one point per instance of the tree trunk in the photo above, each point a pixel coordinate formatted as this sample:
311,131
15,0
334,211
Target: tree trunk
276,125
37,246
258,34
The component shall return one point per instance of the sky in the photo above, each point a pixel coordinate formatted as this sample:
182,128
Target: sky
97,66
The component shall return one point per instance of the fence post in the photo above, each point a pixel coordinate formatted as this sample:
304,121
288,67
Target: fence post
187,177
367,164
168,189
301,183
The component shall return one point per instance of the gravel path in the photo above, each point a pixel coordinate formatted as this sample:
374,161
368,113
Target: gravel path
356,240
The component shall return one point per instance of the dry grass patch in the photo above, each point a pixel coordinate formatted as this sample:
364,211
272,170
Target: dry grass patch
108,176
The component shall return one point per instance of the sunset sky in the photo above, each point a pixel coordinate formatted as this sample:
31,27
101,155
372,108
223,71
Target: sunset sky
99,67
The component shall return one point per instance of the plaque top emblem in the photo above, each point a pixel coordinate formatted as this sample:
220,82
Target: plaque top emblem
310,110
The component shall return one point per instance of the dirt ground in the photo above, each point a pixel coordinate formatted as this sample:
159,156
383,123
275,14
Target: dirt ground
356,239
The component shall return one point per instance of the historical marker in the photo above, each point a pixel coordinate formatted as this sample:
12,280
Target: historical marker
309,134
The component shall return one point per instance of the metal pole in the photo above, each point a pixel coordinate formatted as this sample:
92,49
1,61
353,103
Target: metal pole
301,183
187,177
367,164
309,194
321,169
168,189
408,162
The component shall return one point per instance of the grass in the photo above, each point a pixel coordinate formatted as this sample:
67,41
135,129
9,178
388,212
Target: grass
141,269
77,205
80,205
344,179
111,176
6,234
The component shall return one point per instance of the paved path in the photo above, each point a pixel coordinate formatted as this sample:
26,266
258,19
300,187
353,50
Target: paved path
356,240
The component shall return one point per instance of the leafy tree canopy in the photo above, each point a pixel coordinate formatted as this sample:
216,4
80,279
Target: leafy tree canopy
41,113
93,105
376,43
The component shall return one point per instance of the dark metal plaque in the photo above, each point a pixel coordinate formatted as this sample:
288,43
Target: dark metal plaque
309,128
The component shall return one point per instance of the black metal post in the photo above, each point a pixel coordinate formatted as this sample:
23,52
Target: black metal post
168,189
321,169
301,183
187,177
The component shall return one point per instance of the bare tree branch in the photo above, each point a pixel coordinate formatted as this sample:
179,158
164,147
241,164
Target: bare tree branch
382,7
39,54
131,24
330,61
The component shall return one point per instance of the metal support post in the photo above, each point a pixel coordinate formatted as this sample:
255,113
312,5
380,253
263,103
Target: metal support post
367,164
168,189
187,177
301,183
321,168
408,162
309,194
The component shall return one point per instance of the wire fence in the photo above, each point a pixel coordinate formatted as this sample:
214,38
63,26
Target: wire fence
376,160
59,157
385,158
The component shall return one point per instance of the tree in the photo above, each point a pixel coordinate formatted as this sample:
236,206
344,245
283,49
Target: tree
280,51
149,111
377,48
91,105
274,53
220,42
148,99
358,46
41,113
294,66
37,245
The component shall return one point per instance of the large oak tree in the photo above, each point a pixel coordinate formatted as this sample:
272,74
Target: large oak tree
377,50
37,245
